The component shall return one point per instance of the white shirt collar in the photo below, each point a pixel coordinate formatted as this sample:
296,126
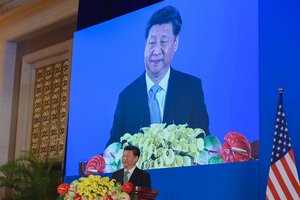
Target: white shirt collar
163,83
131,170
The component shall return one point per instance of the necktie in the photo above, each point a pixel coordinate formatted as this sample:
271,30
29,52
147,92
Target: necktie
153,104
125,178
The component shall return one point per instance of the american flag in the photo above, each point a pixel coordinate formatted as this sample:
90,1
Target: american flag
283,181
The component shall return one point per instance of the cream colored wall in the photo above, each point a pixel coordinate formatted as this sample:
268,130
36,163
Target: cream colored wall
18,23
6,92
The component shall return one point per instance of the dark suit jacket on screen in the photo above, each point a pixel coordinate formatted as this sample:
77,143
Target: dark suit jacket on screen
184,104
138,177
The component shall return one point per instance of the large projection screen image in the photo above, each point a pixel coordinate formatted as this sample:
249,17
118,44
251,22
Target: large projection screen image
207,100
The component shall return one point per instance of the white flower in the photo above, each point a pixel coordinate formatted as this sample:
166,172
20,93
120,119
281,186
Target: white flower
159,142
184,145
171,146
159,163
168,156
141,142
193,148
134,142
187,161
171,137
200,144
147,143
156,128
152,164
190,133
139,163
126,137
159,152
146,165
199,131
176,146
139,135
178,162
164,134
171,128
194,155
149,151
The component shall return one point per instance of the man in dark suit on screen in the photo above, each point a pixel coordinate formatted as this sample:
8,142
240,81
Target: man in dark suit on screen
161,94
131,172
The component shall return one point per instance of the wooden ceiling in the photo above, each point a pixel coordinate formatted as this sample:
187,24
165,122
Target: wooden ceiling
8,6
16,13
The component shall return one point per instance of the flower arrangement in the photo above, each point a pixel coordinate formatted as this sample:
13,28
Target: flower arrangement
94,187
164,146
171,146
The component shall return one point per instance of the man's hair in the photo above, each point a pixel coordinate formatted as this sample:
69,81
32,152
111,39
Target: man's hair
165,15
135,150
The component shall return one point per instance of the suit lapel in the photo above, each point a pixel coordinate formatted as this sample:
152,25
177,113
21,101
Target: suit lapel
169,112
135,176
141,101
122,176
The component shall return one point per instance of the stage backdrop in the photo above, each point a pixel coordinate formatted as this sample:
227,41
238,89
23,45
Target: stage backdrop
218,44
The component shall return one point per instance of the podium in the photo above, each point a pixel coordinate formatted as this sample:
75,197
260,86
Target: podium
143,193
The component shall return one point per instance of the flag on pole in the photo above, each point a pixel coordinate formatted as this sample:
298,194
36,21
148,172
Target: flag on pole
283,181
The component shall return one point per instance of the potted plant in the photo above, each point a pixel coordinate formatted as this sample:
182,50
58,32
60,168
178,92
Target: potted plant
30,178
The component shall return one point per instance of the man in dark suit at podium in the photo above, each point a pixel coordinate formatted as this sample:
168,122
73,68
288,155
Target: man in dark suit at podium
161,94
131,172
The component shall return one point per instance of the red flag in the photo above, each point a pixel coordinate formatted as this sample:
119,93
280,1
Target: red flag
283,181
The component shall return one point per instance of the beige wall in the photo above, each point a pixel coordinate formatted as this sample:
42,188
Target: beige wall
25,30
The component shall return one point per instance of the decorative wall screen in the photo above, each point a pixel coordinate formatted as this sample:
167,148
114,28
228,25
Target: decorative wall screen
50,106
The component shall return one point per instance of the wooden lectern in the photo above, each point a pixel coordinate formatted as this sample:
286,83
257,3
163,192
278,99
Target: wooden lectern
143,193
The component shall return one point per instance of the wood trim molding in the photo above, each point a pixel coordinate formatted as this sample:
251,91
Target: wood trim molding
30,63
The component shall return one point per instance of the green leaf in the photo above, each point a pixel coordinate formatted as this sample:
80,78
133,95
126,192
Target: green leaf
215,160
30,178
212,144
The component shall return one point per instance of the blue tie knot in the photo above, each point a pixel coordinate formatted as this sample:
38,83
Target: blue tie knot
155,88
126,173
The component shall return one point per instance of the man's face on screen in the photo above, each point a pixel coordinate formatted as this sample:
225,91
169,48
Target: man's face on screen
129,160
160,47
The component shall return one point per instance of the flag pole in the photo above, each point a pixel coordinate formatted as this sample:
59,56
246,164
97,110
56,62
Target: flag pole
283,181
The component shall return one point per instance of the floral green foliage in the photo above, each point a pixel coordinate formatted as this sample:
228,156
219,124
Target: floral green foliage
30,178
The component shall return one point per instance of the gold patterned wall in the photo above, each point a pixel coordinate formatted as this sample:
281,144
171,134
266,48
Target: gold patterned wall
51,94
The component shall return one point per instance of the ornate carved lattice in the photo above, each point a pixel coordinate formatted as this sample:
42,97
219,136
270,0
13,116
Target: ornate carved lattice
50,110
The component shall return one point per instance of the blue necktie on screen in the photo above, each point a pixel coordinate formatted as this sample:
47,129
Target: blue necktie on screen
125,178
153,104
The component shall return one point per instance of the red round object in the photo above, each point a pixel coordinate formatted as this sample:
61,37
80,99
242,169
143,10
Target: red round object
236,148
127,187
95,165
63,188
77,197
